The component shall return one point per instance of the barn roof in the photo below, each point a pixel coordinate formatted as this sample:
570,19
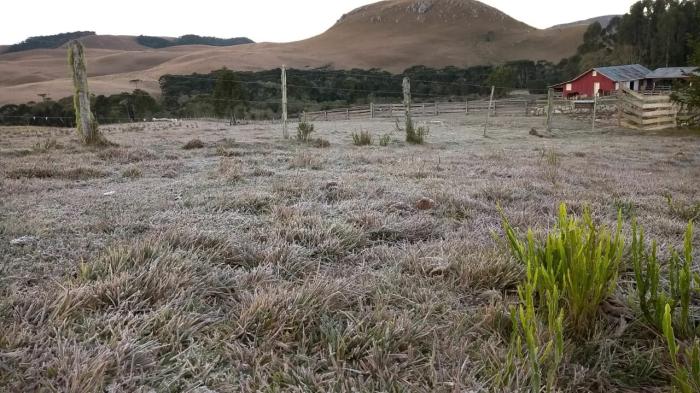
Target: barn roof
673,72
624,73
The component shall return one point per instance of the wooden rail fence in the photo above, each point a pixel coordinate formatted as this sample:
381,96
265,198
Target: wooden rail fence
647,112
510,107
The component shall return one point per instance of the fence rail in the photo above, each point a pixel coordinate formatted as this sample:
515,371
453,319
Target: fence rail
647,112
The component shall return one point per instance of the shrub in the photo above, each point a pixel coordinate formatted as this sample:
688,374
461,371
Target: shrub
384,140
304,131
363,138
193,144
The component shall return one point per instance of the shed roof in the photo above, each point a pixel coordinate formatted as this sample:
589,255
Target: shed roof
673,72
624,73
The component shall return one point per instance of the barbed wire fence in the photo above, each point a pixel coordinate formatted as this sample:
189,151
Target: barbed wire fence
556,113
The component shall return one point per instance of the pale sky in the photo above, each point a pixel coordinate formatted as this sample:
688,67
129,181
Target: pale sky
260,20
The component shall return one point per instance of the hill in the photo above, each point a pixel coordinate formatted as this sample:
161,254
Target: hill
391,35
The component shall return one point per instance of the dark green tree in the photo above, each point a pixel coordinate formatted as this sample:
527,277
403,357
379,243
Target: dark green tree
228,96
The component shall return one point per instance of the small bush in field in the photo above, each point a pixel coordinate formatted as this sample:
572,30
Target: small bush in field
384,140
416,135
304,131
363,138
193,144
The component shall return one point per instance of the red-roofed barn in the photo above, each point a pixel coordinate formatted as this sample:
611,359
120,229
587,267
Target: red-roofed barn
604,81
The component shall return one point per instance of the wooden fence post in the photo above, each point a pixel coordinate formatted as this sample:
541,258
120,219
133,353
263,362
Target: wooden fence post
347,113
466,107
550,108
285,132
371,110
437,109
488,113
595,107
407,98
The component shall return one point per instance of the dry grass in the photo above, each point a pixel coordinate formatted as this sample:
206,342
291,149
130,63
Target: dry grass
282,267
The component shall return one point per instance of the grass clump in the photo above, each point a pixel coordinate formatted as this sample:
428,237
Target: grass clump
416,135
685,211
304,131
686,366
363,138
385,140
193,144
132,172
654,299
46,145
321,143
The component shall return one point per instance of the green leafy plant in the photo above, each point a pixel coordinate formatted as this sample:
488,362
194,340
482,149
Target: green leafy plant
304,131
652,296
578,259
363,138
574,268
686,364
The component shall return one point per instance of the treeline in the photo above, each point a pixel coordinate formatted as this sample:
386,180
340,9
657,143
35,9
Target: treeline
125,107
655,33
257,94
47,41
190,39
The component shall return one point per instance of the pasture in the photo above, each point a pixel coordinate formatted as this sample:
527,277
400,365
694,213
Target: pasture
248,262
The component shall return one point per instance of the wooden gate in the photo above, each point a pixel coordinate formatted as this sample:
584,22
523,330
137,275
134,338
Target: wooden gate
647,112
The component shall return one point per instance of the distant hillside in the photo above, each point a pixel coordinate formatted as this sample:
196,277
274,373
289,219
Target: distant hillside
190,39
47,41
389,35
603,20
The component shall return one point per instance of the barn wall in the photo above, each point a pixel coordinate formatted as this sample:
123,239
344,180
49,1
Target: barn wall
583,86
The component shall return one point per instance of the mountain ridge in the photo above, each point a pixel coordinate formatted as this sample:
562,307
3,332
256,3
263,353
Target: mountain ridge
391,35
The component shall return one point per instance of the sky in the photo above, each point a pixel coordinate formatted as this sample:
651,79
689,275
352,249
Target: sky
259,20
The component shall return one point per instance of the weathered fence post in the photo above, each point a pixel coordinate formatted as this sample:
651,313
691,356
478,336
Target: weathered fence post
488,112
466,107
84,119
595,108
437,109
371,110
407,98
285,132
550,108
